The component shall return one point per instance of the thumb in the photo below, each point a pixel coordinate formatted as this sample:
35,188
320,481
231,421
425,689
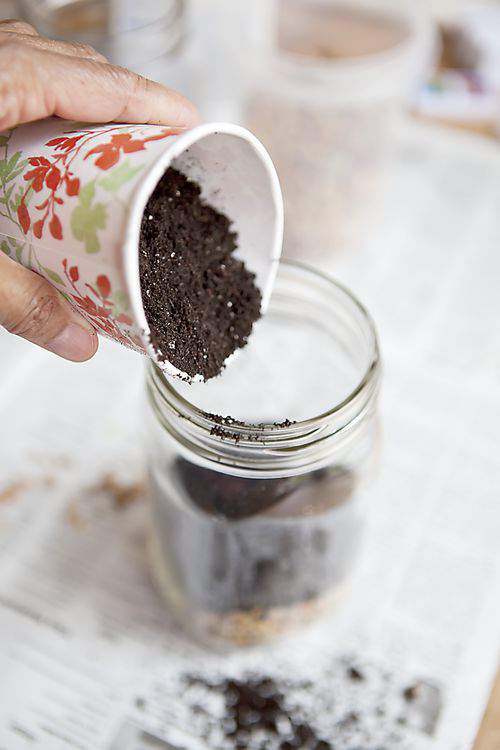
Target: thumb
30,307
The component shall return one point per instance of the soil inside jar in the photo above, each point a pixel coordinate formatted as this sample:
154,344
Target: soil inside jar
236,544
200,301
236,498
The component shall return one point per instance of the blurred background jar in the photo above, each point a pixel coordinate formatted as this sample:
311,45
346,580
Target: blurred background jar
146,36
258,517
327,81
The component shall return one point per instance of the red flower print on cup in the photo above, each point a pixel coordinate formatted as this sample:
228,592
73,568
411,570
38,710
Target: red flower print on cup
55,176
46,174
123,142
63,143
95,304
24,217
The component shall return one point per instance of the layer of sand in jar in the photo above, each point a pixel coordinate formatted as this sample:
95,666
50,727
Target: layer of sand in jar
336,30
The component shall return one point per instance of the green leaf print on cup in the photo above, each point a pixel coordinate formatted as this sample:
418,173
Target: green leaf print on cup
53,276
87,218
9,170
119,176
6,198
12,247
120,302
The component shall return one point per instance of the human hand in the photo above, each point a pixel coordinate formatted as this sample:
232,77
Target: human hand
41,77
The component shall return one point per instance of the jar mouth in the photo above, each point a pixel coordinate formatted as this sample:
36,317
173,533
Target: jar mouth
286,434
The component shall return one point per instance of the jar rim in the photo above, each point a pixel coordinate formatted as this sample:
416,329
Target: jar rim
343,412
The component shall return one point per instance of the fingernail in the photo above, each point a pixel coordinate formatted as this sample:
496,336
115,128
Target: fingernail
74,342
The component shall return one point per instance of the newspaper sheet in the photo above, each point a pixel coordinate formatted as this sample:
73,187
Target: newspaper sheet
89,657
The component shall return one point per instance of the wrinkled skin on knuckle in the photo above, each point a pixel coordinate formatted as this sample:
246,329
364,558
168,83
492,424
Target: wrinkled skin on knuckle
7,98
40,319
8,105
13,25
85,50
136,91
122,81
21,91
11,74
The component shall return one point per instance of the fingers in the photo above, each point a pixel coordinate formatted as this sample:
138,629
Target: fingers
96,92
31,308
145,101
37,80
14,26
73,49
27,34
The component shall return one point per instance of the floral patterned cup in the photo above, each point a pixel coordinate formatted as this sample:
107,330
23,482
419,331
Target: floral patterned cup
72,198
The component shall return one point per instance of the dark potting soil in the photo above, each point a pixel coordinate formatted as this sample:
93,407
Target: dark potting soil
228,496
257,706
234,546
321,707
235,498
222,423
200,301
229,421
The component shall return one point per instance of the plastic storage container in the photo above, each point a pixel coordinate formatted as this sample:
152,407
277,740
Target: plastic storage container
326,83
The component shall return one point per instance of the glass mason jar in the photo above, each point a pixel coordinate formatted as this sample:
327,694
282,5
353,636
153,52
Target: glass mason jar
258,516
145,36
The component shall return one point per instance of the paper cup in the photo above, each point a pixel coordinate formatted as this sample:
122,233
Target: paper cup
72,198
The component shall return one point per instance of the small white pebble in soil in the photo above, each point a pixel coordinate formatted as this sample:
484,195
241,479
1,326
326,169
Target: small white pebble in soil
150,217
171,344
229,304
172,255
